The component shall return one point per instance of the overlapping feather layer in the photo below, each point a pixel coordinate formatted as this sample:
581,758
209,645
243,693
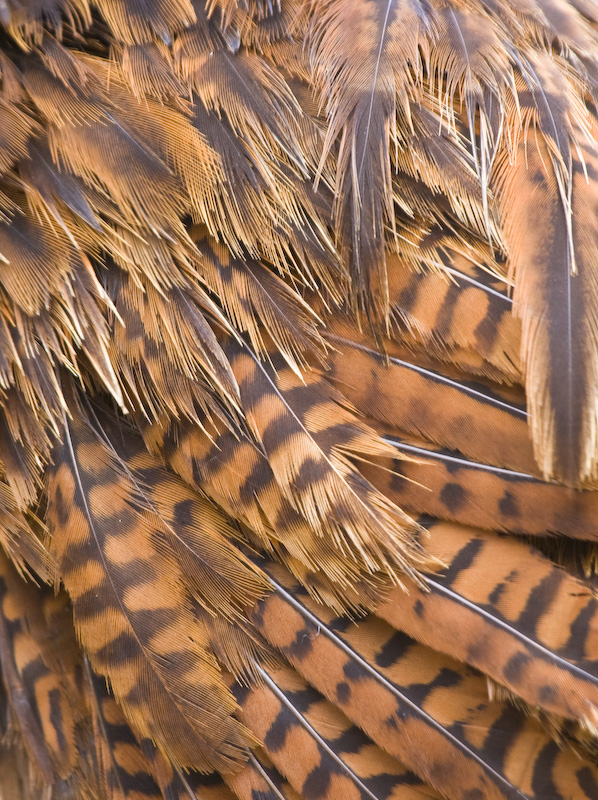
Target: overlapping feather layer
298,399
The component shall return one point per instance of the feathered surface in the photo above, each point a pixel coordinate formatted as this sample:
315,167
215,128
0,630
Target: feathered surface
298,399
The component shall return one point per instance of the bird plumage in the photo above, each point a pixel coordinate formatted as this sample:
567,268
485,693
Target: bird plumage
298,434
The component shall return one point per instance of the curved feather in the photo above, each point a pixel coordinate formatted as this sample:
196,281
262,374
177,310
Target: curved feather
543,193
376,677
443,484
208,440
309,439
158,665
513,623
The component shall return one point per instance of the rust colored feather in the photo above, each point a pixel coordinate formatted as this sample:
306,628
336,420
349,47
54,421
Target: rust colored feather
237,476
459,314
479,421
120,767
309,439
514,624
376,676
38,656
180,701
316,745
259,778
298,399
316,511
443,484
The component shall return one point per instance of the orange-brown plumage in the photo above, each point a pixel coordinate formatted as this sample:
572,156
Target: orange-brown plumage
298,432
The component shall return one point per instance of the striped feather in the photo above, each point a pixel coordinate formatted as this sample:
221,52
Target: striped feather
529,625
38,662
462,311
444,484
381,688
321,752
309,438
486,423
291,403
121,769
159,668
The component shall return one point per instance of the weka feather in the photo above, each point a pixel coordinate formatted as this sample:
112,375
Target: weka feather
298,399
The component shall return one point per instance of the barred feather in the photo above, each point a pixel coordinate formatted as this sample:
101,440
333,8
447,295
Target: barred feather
298,437
179,699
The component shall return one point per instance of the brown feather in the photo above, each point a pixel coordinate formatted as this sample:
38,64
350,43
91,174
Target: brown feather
551,179
494,620
370,50
180,702
375,674
280,288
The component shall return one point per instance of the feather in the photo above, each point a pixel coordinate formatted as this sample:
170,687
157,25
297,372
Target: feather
147,69
136,22
382,673
255,99
322,754
361,56
517,637
46,186
261,304
435,156
181,702
37,261
122,770
310,458
19,536
552,259
34,654
166,353
471,62
496,428
221,580
19,467
281,406
444,484
235,473
259,779
16,127
457,316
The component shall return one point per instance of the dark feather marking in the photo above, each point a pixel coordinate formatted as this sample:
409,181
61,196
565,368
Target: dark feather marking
436,583
316,736
484,395
409,707
462,462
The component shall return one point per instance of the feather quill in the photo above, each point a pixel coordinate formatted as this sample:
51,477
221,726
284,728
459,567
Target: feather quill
365,64
159,666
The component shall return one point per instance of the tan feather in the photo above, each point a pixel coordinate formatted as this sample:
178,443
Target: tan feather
543,193
280,288
181,702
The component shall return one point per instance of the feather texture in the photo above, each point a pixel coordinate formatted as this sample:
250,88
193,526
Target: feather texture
298,433
362,54
163,693
551,250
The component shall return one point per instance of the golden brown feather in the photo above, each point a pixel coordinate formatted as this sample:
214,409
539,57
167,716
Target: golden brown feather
298,433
